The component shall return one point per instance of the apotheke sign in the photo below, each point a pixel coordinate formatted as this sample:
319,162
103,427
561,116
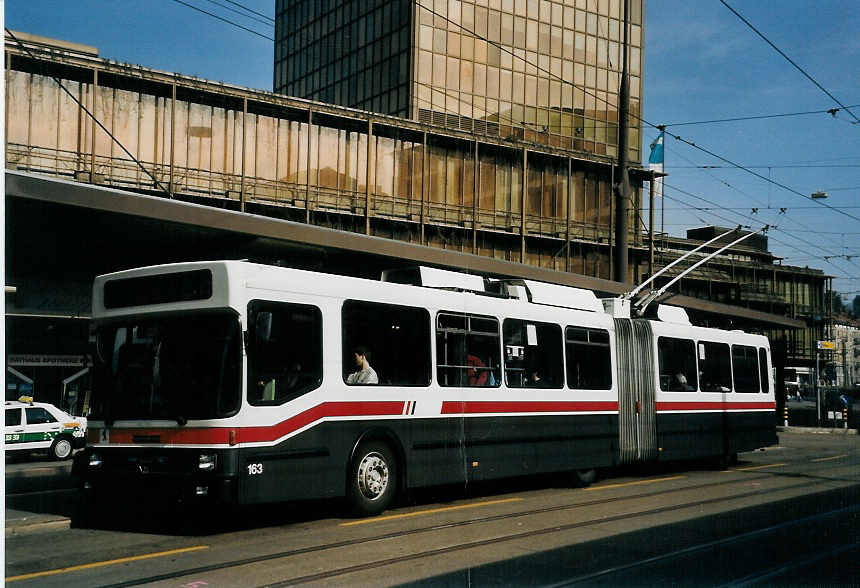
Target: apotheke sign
37,360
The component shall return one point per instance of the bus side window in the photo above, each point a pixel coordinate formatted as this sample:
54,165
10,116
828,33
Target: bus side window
467,350
396,339
677,364
589,362
745,369
284,353
533,356
715,367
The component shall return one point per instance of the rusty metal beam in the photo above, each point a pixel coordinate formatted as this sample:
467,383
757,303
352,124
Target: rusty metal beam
92,125
367,187
523,200
570,200
308,175
425,179
244,136
170,185
476,192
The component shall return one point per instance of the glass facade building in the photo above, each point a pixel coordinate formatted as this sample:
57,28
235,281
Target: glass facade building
353,53
535,70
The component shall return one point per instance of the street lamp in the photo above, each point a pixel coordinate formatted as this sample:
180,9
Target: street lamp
820,195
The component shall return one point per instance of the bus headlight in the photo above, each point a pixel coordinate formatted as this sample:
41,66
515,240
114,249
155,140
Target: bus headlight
208,461
95,461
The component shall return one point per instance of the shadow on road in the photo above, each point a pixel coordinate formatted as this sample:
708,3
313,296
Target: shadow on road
710,550
145,515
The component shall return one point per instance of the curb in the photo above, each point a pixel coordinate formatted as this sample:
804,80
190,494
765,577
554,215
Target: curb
31,524
815,430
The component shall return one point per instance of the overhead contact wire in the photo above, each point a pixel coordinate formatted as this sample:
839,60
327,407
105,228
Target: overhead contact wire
789,59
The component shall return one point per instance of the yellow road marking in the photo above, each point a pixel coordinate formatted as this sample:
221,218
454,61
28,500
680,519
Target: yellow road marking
431,511
750,468
829,458
637,483
100,564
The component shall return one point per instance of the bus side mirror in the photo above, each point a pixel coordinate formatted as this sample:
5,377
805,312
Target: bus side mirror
263,327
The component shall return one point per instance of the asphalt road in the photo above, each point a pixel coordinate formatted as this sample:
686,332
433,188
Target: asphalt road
787,515
40,485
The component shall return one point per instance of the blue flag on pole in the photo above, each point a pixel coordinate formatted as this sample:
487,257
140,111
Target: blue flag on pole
655,161
657,152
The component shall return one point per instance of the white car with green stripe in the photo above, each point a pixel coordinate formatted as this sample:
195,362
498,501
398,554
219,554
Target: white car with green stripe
39,426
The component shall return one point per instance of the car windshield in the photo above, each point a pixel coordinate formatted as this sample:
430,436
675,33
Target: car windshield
175,368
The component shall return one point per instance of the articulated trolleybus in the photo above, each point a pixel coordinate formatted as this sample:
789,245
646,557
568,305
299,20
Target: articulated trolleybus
242,383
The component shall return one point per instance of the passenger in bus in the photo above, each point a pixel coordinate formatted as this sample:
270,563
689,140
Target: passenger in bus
365,373
478,375
681,382
534,380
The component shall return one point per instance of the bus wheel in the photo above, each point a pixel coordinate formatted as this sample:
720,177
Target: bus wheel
372,478
62,448
584,478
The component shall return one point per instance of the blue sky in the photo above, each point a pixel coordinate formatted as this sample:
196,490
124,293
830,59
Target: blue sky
704,63
701,63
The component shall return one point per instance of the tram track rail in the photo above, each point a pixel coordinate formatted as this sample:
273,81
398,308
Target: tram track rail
808,480
514,537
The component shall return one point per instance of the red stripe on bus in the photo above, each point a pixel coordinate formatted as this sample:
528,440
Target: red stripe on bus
221,435
715,406
454,407
158,436
324,410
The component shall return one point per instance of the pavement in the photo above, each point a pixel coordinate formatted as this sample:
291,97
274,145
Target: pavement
816,430
19,522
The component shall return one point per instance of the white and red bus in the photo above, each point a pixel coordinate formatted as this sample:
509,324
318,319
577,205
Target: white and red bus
229,381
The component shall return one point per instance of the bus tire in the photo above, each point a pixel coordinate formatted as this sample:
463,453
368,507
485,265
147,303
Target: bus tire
62,448
372,478
584,478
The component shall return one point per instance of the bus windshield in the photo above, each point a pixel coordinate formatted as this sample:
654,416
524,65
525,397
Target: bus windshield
175,367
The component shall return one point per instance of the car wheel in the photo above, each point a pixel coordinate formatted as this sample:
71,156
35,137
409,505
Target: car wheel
62,448
372,478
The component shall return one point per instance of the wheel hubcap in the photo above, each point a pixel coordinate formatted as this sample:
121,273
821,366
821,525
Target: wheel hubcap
63,448
373,476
